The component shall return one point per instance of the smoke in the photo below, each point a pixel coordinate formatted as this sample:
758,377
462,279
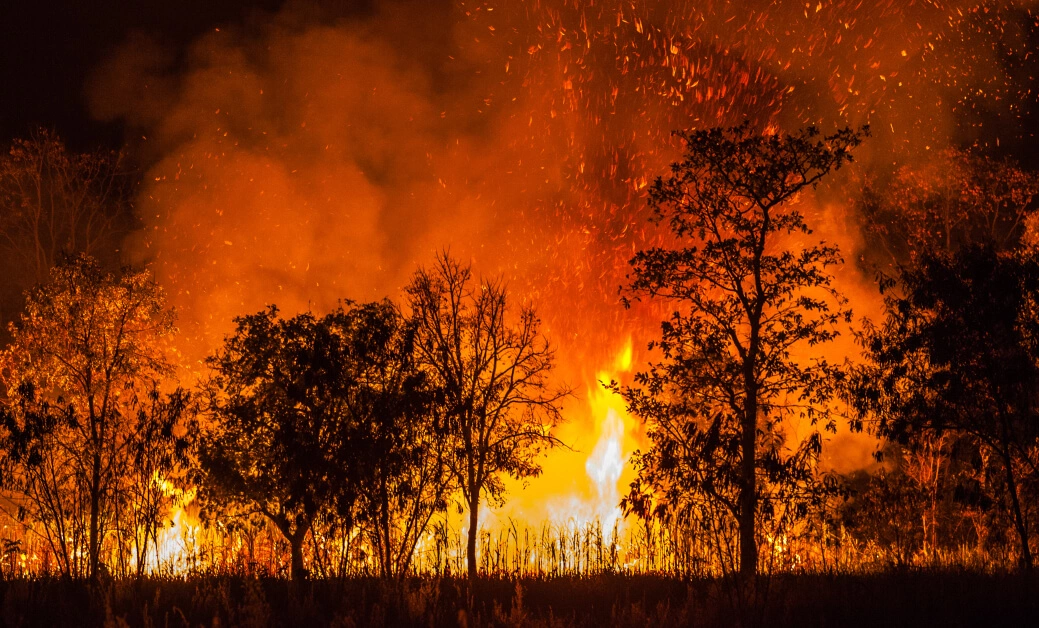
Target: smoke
300,159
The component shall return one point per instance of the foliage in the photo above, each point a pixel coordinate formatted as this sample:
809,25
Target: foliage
400,412
957,354
158,458
492,371
310,418
954,199
83,412
751,297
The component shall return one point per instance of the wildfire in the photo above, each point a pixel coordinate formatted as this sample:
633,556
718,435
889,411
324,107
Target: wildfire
609,458
581,488
287,187
174,543
605,466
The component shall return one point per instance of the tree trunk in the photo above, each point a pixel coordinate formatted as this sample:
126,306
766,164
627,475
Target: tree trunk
1025,559
749,489
93,542
474,518
386,557
298,571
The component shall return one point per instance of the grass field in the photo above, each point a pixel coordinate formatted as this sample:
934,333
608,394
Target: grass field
913,598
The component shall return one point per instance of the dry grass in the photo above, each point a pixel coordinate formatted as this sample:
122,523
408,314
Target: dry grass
893,599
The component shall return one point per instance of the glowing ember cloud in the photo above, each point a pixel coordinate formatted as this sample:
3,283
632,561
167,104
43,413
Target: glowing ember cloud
300,163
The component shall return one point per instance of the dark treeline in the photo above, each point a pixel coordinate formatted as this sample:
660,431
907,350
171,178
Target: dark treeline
344,440
364,420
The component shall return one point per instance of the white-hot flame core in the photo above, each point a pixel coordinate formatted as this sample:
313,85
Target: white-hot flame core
608,459
605,466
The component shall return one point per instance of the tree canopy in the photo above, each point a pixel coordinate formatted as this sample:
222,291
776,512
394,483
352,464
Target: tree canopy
956,354
308,415
83,375
753,301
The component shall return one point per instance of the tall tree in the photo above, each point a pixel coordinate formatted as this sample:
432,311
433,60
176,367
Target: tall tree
753,297
55,202
492,368
956,355
86,356
402,419
289,404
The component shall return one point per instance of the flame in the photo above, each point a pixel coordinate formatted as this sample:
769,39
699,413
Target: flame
609,459
174,543
605,466
582,487
275,180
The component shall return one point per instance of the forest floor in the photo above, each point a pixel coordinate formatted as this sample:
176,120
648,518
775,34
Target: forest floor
889,600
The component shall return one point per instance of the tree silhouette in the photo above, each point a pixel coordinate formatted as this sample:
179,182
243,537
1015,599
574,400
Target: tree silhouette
957,354
400,417
492,371
55,202
750,291
291,409
156,470
86,357
953,199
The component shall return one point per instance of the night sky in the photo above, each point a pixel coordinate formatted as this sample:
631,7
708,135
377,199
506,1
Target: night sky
48,49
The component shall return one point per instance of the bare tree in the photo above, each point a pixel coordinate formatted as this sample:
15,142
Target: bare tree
54,202
493,372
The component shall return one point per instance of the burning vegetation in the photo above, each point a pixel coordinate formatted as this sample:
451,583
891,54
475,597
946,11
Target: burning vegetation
431,309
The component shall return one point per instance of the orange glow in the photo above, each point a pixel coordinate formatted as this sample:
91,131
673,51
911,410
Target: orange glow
304,163
175,542
583,486
609,459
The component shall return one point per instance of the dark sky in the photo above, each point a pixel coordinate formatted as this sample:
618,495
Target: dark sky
48,48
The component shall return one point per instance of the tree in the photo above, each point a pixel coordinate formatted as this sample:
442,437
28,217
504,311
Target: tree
155,472
956,354
400,414
400,437
290,410
54,202
956,198
750,293
492,371
84,359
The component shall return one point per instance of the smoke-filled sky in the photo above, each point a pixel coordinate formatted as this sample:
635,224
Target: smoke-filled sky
302,154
